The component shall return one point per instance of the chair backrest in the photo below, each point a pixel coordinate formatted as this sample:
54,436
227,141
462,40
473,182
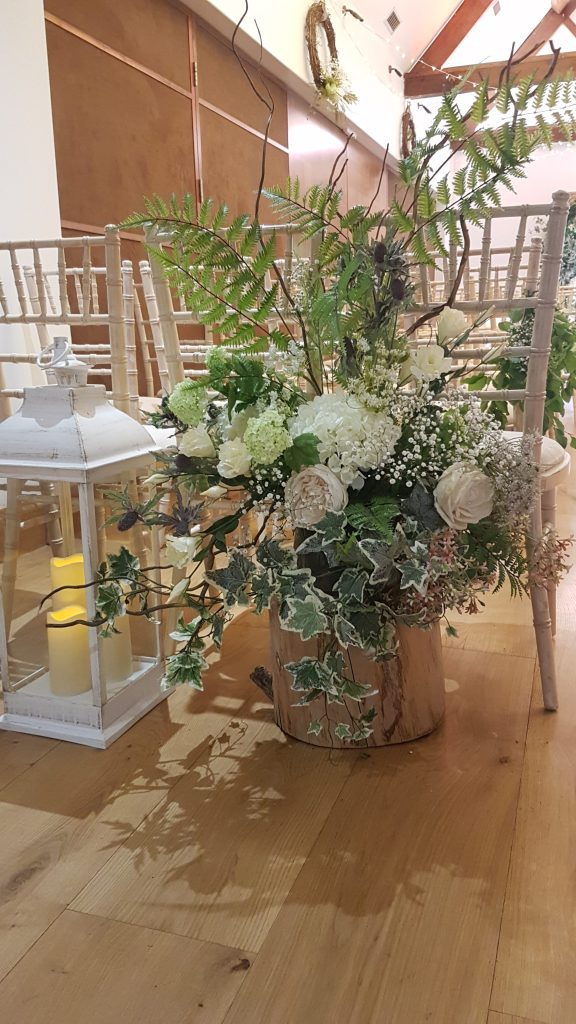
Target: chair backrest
164,311
492,270
74,282
540,294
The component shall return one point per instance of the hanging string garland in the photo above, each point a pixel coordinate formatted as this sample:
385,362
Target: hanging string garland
408,139
331,82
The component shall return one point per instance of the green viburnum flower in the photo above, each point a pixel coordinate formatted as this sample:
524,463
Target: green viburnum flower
266,437
188,402
217,363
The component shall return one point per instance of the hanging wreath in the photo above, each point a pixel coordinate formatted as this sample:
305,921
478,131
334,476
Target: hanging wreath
408,133
330,80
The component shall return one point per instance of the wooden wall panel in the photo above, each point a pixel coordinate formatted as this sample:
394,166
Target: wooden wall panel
314,144
363,174
119,134
152,32
231,164
222,83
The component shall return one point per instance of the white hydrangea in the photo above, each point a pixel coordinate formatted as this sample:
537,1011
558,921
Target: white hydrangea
352,438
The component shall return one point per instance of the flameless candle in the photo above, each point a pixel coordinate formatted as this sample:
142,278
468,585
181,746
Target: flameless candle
117,652
68,655
67,572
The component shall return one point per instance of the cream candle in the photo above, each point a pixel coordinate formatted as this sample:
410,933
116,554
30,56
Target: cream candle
117,652
67,572
68,654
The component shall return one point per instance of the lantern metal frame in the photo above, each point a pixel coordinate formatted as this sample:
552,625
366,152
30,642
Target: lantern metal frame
73,435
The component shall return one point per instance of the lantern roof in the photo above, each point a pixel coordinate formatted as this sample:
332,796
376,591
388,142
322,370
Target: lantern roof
73,434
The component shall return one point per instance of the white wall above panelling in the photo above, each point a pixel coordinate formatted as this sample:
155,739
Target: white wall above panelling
29,205
365,56
420,23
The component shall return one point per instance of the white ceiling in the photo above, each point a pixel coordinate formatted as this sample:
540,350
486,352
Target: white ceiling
420,22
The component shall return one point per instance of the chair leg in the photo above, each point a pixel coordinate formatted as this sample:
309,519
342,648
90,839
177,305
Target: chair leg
11,539
548,501
545,646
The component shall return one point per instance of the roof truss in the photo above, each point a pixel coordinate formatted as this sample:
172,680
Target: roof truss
428,77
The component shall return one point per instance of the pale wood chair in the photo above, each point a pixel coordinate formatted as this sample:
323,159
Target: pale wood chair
73,283
164,311
491,272
66,284
540,293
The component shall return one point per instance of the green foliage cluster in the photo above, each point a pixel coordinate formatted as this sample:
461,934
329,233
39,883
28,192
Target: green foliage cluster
510,373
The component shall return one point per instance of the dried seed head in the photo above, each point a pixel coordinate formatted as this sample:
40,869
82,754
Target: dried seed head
398,288
379,252
128,520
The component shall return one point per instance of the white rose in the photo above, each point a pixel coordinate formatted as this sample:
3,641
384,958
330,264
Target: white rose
240,421
463,495
451,324
180,551
234,459
427,362
313,492
196,443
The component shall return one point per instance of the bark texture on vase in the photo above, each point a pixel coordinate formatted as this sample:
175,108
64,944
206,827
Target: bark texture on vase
409,698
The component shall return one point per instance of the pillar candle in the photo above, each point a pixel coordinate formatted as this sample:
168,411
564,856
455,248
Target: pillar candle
67,572
116,652
68,654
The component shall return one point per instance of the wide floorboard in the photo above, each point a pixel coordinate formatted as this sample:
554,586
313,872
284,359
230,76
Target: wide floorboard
207,869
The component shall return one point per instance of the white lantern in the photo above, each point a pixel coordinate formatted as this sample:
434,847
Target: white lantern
81,687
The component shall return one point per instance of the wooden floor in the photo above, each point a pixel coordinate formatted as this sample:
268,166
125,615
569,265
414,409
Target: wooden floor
206,870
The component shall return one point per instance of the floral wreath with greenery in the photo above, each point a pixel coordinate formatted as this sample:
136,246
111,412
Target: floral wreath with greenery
330,81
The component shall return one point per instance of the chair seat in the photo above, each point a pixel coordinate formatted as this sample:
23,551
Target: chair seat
554,459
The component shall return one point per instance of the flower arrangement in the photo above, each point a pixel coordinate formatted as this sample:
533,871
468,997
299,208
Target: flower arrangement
365,486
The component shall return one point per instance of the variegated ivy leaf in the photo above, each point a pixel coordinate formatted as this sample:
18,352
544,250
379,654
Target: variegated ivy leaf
420,505
310,545
308,674
218,622
305,617
234,578
124,565
351,585
356,691
332,527
110,601
343,731
185,667
314,728
297,583
271,555
380,555
358,625
262,590
414,575
178,591
185,631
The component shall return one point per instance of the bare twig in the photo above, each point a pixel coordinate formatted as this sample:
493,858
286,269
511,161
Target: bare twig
377,192
268,102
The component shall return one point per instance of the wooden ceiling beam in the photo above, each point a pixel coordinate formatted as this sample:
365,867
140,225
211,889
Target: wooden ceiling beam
453,32
420,83
545,29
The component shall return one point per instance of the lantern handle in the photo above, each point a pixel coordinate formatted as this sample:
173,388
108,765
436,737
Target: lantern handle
69,371
55,354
